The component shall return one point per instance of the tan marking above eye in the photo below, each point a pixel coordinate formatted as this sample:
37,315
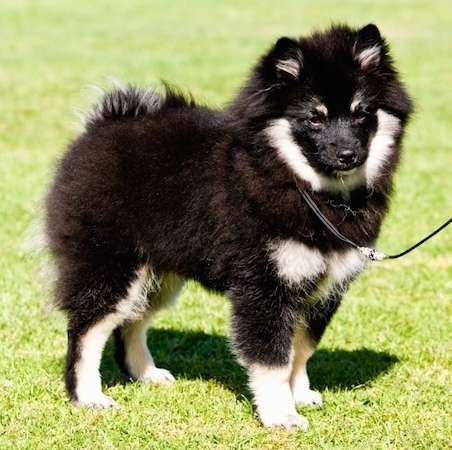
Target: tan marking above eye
322,110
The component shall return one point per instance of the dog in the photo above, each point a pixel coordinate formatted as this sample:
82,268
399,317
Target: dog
158,189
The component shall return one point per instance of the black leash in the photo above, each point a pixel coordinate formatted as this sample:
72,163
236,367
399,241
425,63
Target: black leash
371,253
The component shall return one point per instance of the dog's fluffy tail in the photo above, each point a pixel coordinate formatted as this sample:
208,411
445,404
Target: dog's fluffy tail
129,101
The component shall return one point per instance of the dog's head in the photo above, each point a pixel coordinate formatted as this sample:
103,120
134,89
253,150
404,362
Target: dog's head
333,106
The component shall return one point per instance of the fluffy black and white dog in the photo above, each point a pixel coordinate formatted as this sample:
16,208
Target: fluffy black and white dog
157,190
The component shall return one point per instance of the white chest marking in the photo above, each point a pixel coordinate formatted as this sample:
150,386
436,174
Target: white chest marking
296,264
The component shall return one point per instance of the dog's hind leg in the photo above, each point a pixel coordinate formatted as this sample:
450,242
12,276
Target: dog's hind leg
89,328
132,352
84,354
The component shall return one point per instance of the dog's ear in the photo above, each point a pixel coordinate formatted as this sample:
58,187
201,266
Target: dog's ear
288,60
368,47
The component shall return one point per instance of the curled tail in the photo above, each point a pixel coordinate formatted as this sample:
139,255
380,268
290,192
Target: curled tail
132,102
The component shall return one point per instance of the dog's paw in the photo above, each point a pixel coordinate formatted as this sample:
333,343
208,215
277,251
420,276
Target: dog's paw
308,397
100,401
156,375
289,422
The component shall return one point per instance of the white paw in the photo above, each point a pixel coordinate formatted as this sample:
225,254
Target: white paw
289,422
99,401
156,375
308,397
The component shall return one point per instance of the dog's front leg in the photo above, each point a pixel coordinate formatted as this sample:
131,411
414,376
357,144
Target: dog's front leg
263,331
304,346
273,397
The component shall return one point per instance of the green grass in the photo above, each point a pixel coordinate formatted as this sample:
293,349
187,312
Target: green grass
384,367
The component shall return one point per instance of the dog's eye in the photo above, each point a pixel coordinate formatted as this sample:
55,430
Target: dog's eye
316,121
360,116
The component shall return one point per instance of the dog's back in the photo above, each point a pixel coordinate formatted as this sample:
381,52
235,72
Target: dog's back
141,161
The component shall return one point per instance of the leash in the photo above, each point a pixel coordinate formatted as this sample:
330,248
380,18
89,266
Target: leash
371,253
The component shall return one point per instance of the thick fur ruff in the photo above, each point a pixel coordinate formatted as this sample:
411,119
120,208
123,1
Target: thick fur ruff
158,189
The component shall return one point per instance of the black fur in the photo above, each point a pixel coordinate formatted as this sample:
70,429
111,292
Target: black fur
158,181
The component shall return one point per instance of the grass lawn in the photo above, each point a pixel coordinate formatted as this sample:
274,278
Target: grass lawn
384,367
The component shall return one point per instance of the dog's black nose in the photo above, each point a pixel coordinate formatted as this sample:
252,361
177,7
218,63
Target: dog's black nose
346,155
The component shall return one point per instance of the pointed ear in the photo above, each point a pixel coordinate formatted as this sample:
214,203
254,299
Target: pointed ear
368,47
288,60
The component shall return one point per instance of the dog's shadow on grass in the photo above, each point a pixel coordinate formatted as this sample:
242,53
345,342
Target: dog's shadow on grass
198,355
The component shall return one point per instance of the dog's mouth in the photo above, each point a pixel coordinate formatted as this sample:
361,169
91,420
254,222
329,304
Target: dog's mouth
342,170
344,173
336,170
344,163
